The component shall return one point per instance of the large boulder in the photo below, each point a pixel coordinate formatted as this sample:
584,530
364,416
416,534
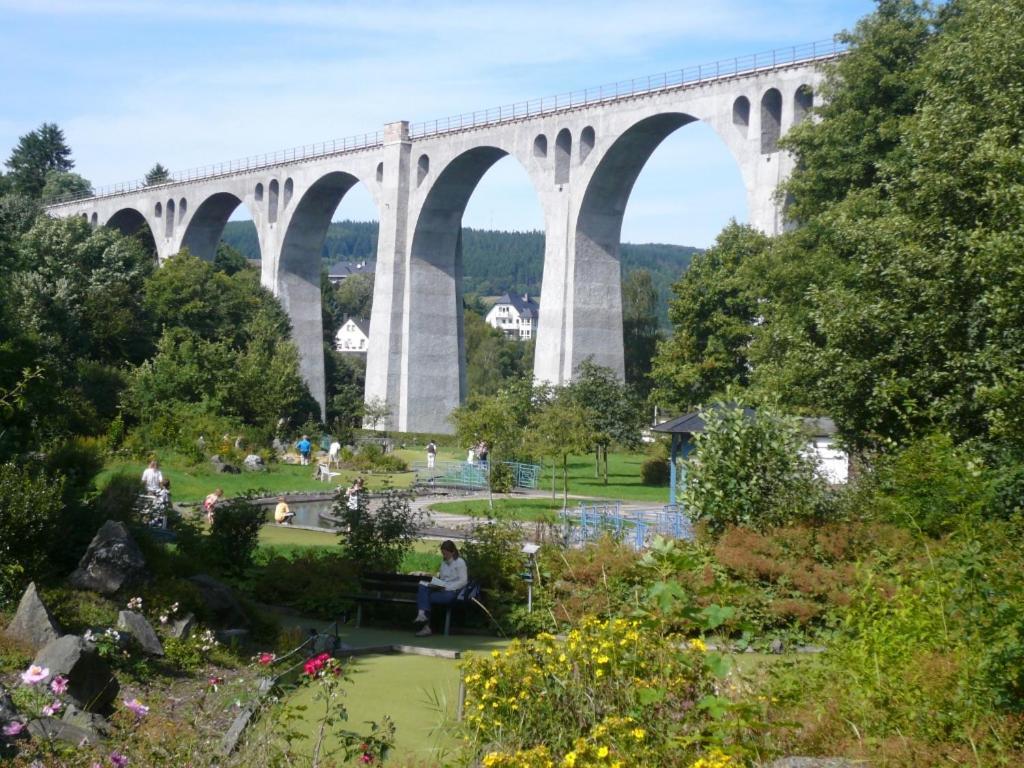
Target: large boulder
91,684
180,629
224,608
219,465
135,624
33,624
254,463
8,711
112,562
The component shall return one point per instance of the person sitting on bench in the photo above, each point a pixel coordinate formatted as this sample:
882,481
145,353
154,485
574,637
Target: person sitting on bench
453,576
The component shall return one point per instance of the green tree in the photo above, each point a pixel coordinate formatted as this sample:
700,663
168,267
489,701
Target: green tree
560,428
38,152
714,312
64,185
157,175
899,318
228,260
639,327
492,359
496,420
750,469
616,411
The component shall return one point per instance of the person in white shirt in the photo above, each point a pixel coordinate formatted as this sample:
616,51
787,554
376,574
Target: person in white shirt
334,454
455,576
152,478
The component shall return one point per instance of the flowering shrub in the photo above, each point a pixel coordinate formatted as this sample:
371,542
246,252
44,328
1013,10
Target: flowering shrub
612,692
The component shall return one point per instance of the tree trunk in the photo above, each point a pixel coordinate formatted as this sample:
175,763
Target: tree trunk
553,497
597,461
565,482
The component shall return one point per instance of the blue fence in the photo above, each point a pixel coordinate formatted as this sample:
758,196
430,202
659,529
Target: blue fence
638,527
462,474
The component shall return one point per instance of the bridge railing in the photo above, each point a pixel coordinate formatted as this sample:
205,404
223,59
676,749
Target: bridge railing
676,78
251,163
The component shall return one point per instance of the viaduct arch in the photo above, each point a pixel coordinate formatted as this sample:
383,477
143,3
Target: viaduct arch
582,153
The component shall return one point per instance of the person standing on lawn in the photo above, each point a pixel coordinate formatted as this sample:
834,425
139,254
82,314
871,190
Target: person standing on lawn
305,448
454,574
431,454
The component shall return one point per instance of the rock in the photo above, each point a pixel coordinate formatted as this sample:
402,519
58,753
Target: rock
112,562
254,463
32,623
223,467
52,729
811,762
8,711
279,447
811,649
135,624
180,629
221,602
777,646
91,684
90,721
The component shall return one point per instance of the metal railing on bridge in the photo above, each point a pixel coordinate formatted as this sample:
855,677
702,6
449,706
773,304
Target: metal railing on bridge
464,475
637,86
637,527
677,78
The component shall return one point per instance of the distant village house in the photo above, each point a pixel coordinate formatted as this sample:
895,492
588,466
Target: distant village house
515,316
342,270
353,336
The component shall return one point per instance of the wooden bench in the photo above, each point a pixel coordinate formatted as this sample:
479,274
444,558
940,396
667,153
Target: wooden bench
401,589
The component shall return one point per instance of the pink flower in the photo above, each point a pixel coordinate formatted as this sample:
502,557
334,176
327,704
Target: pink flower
59,684
34,674
266,658
118,760
367,757
137,707
49,709
214,681
13,728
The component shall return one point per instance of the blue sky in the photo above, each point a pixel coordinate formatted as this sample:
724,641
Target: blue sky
189,83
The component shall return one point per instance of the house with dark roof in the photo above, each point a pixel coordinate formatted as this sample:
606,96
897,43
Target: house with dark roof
343,270
353,336
515,316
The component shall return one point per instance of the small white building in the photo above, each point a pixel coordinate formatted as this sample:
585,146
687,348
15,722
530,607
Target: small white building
353,336
833,462
515,316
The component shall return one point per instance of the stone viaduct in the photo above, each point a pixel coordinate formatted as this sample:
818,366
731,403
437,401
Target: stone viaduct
582,153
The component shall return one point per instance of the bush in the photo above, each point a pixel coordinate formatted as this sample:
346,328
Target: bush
610,692
931,485
31,518
378,541
502,479
235,532
751,469
493,553
654,472
313,583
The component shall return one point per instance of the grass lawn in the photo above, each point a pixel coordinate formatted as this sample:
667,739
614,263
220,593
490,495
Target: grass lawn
531,510
191,483
282,540
623,479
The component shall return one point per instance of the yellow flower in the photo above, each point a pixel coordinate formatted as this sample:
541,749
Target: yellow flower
602,659
697,644
639,734
569,759
492,759
602,752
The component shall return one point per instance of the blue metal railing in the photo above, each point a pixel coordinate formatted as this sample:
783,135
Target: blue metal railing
678,78
638,527
462,474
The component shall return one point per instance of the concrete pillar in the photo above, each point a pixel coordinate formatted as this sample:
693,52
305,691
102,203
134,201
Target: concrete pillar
549,361
384,358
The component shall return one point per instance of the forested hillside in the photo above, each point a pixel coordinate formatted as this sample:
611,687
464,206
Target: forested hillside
494,261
